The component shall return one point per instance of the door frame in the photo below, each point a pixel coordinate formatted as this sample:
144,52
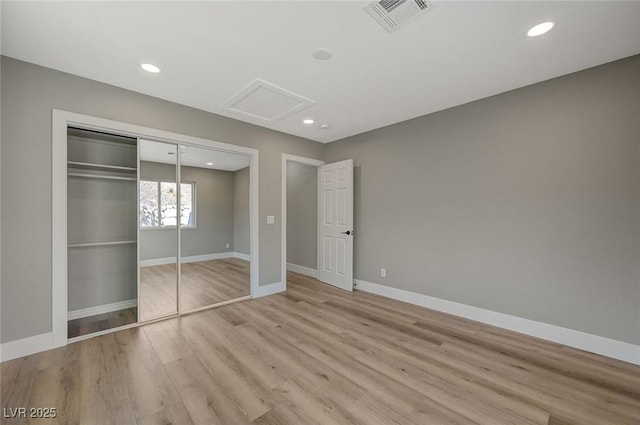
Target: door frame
283,231
60,121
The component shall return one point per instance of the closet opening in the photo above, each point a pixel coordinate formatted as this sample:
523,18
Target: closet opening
101,231
147,225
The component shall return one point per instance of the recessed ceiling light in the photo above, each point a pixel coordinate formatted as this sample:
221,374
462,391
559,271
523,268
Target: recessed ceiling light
308,121
325,126
150,68
209,163
322,53
540,29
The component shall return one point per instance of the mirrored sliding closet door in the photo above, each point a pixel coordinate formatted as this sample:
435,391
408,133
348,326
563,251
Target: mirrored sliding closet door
159,216
193,227
214,254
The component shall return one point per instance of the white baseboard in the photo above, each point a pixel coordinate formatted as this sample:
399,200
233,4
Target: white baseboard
270,289
570,337
190,259
307,271
101,309
242,256
158,261
24,347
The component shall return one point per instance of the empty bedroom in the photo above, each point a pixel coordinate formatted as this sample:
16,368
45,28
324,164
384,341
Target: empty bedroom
320,212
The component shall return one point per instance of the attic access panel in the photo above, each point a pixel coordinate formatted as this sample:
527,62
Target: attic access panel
265,102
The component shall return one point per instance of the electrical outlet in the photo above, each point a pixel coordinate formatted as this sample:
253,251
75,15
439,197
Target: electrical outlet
227,245
383,272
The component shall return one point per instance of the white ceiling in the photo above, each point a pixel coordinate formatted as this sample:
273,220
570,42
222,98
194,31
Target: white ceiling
191,156
208,51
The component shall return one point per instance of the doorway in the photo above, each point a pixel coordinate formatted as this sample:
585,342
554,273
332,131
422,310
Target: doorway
333,220
299,215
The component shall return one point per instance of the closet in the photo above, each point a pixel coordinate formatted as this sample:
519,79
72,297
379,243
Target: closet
102,264
154,229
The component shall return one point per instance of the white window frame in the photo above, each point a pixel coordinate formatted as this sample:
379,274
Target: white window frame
193,205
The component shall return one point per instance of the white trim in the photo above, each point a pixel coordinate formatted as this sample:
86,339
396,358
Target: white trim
254,227
60,121
307,271
59,229
242,256
270,289
101,309
24,347
596,344
283,207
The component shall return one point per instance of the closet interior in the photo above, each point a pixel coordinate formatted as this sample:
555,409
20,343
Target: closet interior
154,229
102,269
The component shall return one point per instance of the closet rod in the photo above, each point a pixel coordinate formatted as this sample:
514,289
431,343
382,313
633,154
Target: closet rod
81,245
106,167
101,176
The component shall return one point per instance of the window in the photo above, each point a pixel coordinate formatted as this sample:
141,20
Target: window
158,204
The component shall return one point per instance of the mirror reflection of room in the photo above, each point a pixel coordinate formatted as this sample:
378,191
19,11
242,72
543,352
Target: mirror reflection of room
214,232
158,197
215,240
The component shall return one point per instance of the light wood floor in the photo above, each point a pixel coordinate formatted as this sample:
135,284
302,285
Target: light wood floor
203,283
318,355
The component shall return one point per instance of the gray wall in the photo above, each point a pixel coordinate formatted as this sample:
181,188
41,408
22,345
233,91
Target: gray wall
29,93
302,215
526,203
214,213
241,211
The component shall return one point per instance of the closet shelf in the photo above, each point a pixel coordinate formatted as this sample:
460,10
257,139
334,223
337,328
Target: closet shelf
89,165
82,245
101,176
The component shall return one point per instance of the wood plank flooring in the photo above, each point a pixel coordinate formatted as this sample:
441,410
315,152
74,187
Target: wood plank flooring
203,283
318,355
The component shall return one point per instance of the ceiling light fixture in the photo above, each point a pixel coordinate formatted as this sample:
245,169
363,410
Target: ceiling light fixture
325,126
209,163
308,121
322,53
150,68
540,29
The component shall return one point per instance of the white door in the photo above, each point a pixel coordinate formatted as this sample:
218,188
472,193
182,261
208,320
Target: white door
335,224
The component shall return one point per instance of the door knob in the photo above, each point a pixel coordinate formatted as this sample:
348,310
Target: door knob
348,232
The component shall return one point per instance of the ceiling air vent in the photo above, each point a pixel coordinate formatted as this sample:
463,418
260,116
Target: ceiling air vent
393,14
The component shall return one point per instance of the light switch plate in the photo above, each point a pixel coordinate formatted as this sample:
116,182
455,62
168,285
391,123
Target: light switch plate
271,219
